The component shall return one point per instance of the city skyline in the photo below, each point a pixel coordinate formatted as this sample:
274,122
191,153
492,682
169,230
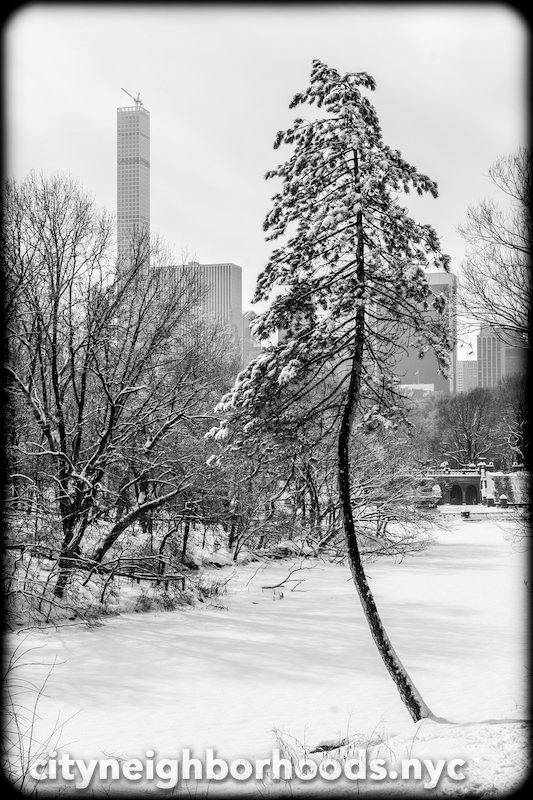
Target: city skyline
220,284
218,99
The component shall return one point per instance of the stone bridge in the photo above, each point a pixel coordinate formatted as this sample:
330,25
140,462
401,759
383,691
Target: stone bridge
458,487
474,485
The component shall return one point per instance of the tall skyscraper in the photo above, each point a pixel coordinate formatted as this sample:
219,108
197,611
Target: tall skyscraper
423,372
497,358
133,176
218,286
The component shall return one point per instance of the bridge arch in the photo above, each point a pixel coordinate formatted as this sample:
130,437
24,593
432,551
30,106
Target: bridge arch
456,495
471,495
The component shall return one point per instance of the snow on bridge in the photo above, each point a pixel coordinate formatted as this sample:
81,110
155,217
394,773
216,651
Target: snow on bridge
474,485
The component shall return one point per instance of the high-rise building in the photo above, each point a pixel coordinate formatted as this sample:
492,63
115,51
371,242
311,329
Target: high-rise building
418,373
467,378
133,177
218,288
489,358
497,358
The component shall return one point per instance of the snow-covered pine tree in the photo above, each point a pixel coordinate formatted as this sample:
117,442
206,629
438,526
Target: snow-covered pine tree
345,286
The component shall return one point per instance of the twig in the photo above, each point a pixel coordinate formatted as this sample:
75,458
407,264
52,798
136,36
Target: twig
291,572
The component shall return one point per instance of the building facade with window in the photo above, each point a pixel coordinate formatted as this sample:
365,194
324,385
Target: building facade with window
497,357
467,375
217,289
415,372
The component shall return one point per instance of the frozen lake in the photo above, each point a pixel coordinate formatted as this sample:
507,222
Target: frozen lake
303,664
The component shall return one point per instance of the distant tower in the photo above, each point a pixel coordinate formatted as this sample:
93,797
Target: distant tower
133,175
415,372
497,358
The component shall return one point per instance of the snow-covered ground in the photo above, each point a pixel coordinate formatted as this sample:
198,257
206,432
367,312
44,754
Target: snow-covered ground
296,666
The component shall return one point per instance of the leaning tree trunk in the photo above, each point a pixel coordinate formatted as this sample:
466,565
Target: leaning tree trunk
408,691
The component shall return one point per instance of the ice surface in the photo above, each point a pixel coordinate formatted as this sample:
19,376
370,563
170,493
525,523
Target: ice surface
301,662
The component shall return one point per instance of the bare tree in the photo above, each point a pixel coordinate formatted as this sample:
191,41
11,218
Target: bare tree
511,398
111,371
496,281
469,425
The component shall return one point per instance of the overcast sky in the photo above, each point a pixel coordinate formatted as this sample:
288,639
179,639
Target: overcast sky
217,80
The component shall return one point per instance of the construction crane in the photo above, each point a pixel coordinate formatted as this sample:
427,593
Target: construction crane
137,100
